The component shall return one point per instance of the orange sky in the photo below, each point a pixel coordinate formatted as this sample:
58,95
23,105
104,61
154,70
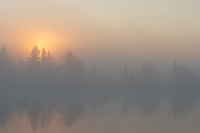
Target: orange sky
102,30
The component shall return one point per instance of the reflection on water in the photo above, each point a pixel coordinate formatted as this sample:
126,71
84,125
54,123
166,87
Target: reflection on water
41,98
39,110
110,118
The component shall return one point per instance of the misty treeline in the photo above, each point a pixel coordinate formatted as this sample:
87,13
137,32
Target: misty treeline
39,88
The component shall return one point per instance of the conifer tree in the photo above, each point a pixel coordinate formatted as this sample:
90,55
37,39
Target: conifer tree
44,58
72,65
34,59
50,63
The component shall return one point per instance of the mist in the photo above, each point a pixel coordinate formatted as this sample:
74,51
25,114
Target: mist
50,97
99,66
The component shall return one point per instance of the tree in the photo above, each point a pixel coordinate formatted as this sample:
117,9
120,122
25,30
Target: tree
47,60
34,59
6,70
183,78
148,81
148,77
72,65
184,89
44,58
50,63
5,61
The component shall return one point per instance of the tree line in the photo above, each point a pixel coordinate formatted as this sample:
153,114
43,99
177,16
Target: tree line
39,88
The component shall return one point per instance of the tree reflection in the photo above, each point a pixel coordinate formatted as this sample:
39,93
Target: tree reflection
184,89
40,88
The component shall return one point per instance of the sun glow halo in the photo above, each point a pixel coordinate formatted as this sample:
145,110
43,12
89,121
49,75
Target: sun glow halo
54,42
42,40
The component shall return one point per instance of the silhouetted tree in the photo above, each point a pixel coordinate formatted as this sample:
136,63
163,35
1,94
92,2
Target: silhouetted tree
50,63
44,58
148,77
182,78
7,75
72,65
148,89
127,86
184,89
34,59
5,62
40,89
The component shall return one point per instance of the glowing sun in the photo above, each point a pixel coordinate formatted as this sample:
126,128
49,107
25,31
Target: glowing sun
42,40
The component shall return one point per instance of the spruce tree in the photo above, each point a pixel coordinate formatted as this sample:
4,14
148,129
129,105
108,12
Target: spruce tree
44,59
34,59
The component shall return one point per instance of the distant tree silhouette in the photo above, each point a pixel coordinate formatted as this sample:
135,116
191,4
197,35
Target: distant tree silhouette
5,61
6,70
127,86
50,63
184,89
128,78
148,77
21,71
183,78
148,89
34,59
34,73
21,79
7,87
72,65
39,89
44,58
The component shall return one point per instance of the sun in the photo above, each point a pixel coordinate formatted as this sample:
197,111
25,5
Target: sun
52,41
42,40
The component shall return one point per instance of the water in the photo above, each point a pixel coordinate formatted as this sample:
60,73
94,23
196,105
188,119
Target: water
110,118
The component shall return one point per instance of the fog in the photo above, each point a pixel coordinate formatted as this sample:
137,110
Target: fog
111,66
41,96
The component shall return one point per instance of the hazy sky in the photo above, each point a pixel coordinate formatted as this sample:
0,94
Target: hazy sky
109,34
103,30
